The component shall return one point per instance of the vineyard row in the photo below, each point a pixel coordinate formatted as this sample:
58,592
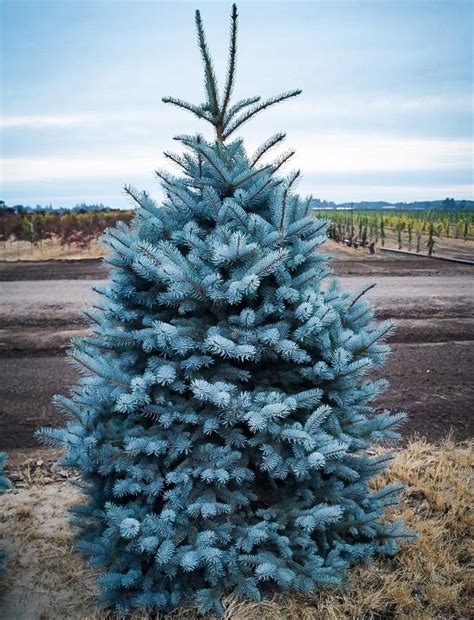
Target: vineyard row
412,229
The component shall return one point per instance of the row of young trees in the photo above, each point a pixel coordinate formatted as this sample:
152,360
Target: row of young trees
77,228
414,230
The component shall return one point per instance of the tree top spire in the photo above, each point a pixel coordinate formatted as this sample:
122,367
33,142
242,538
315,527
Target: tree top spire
217,110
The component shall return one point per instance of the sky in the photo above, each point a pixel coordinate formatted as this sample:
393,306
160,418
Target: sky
385,113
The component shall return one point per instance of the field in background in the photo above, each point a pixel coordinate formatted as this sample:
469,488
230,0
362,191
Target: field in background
50,249
443,233
44,235
38,235
53,249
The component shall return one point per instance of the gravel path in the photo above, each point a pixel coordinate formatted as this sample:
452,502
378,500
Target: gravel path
59,302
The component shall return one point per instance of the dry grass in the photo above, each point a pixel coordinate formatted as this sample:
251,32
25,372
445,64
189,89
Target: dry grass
428,579
50,249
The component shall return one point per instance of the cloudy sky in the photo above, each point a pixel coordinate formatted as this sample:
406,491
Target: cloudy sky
385,114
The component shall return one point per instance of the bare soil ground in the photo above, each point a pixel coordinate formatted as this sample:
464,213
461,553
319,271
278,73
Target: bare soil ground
432,382
429,579
430,370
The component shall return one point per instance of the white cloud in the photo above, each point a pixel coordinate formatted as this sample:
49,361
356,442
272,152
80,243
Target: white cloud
350,106
79,119
389,193
42,121
336,107
28,169
316,153
338,152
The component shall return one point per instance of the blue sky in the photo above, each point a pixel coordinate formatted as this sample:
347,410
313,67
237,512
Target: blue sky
385,114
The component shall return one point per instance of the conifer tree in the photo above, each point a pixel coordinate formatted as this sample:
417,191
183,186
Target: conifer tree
222,424
4,485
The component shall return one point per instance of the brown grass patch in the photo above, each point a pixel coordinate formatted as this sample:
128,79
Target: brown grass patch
428,579
50,249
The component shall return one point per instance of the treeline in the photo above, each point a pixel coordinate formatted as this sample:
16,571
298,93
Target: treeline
79,208
72,226
448,204
413,230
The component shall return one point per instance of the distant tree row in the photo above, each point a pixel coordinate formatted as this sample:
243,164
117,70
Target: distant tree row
79,208
72,227
448,204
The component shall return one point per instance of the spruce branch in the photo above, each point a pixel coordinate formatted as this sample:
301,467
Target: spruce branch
241,180
260,189
175,158
133,193
142,199
380,333
362,292
210,78
293,177
258,108
281,161
232,62
307,204
197,110
286,191
199,140
240,105
265,147
205,152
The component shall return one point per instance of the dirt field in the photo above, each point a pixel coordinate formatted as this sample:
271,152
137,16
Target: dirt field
430,370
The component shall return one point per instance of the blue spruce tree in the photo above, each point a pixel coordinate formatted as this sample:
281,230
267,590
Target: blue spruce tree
4,485
222,425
